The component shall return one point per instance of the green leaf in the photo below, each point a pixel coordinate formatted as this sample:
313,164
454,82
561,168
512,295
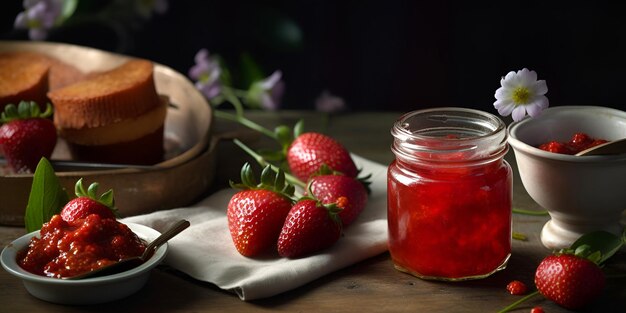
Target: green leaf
268,176
247,176
602,241
69,7
283,135
92,191
298,129
108,199
46,198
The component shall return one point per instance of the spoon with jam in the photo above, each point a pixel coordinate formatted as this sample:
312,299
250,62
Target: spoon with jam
129,263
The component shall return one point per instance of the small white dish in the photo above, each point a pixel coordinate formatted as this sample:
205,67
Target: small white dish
581,193
84,291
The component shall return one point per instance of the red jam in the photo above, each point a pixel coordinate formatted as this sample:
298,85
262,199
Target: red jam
68,249
578,143
445,224
449,195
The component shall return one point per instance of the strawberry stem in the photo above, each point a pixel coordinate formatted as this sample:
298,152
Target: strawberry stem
24,110
518,302
291,179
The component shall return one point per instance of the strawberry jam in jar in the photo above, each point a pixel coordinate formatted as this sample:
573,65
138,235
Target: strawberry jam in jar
449,194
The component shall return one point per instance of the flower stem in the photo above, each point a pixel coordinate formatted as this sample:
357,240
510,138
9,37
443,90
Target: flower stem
518,302
239,93
263,162
530,212
246,122
229,95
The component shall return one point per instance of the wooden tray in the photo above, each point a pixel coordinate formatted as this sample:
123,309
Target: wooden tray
186,173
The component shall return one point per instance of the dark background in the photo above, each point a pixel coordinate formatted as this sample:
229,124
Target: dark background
383,55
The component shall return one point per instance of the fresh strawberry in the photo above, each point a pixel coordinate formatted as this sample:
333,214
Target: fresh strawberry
310,227
309,151
572,277
257,213
87,203
27,135
329,187
569,280
517,288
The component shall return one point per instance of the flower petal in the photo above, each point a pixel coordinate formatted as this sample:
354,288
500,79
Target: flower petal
540,87
269,82
202,56
504,108
503,93
509,81
537,106
527,78
518,113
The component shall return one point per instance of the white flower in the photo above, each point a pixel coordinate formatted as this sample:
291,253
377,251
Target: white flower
521,93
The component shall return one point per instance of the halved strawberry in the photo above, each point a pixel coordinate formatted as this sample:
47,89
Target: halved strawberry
87,203
257,213
26,135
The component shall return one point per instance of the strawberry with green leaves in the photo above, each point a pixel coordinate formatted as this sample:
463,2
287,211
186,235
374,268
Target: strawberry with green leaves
570,280
88,202
310,227
309,151
328,186
573,277
26,135
256,213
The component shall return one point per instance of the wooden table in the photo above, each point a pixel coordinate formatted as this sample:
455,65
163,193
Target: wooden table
371,285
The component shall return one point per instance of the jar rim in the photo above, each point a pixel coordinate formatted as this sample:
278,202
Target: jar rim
488,116
444,133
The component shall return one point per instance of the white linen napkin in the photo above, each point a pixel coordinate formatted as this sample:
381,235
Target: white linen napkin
205,250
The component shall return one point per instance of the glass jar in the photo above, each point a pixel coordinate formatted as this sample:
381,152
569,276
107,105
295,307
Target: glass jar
449,194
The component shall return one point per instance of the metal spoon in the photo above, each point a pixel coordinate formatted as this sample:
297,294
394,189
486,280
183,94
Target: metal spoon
133,262
611,147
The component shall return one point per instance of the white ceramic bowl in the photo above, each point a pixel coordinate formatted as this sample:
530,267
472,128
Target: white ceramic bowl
89,290
581,193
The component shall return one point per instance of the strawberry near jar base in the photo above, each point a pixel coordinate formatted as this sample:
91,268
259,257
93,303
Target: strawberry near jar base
449,195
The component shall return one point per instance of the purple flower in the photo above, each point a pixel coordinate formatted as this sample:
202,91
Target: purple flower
267,93
38,17
329,103
206,72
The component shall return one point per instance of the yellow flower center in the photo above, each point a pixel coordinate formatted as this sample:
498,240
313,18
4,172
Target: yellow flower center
521,95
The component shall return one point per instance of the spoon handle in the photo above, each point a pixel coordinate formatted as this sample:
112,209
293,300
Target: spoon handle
608,148
164,237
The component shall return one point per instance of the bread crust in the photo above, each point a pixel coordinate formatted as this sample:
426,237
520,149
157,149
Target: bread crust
123,131
125,92
23,76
